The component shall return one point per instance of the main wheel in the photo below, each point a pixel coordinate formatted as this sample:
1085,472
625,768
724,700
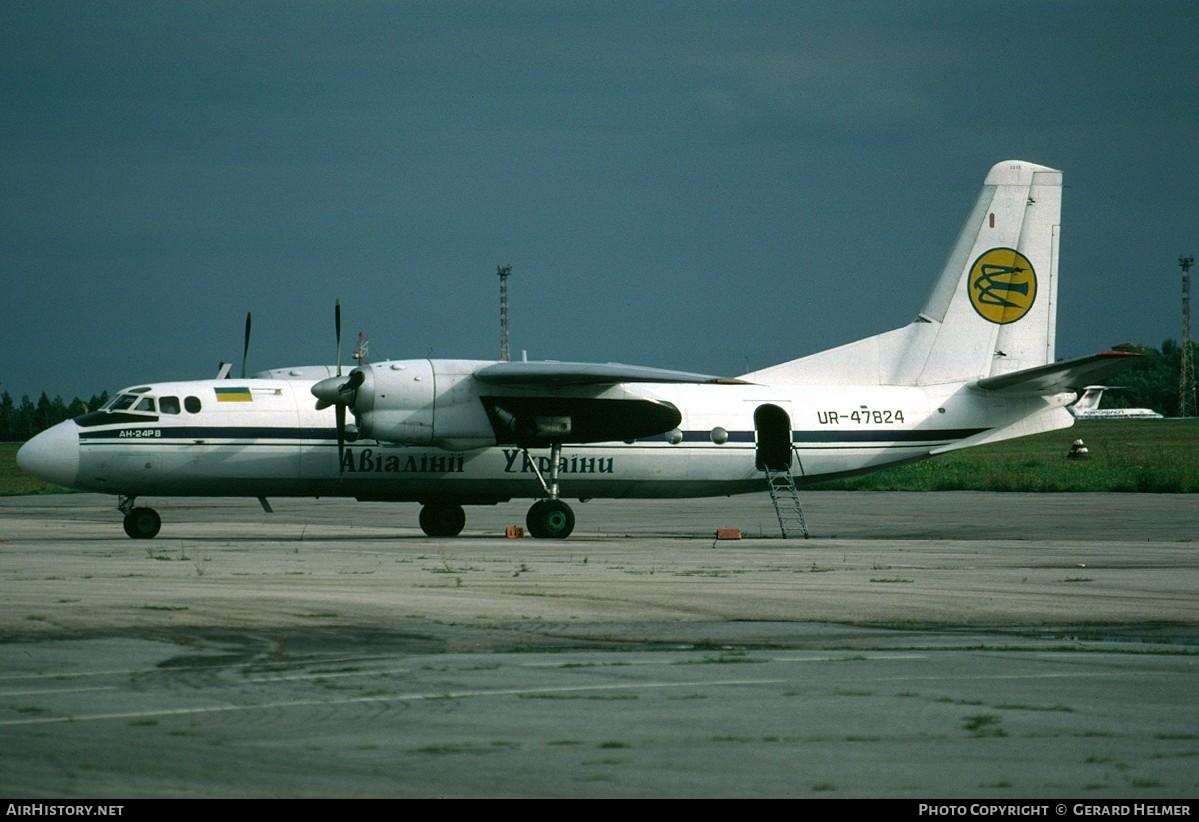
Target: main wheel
550,519
142,523
441,519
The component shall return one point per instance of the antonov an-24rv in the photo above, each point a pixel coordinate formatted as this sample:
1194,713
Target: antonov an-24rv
976,365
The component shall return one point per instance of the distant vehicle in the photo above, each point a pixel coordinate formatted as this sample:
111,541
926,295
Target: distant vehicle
1087,407
976,365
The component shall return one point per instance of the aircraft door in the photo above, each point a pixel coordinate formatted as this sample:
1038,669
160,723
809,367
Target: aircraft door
772,432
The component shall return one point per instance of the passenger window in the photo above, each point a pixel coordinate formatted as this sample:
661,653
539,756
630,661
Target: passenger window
147,405
168,405
192,404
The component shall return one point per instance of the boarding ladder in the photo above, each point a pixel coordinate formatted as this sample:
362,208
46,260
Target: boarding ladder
785,497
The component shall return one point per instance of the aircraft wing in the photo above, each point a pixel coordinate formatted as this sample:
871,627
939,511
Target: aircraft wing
551,373
547,416
1060,377
541,420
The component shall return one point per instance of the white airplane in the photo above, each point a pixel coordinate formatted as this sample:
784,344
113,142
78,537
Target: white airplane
975,366
1087,407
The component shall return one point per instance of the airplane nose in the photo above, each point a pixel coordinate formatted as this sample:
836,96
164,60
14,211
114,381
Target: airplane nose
52,455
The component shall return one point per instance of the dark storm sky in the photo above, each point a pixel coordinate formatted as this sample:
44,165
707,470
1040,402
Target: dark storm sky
704,186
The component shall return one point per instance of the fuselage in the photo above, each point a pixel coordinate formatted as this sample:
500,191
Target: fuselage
1118,414
264,437
1087,407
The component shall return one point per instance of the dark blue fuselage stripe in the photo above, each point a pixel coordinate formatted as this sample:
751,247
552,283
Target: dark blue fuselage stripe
197,432
876,435
932,436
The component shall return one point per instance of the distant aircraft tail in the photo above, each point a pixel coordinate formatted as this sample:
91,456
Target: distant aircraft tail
1090,398
993,310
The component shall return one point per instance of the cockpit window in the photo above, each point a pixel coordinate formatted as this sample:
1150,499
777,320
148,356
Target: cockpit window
130,406
168,405
131,402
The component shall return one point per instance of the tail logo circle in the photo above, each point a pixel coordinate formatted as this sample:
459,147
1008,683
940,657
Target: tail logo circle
1003,285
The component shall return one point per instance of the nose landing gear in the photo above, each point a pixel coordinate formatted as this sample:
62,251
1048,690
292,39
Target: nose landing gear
140,523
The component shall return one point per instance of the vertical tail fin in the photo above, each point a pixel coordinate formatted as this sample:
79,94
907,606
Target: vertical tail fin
1092,395
992,311
995,305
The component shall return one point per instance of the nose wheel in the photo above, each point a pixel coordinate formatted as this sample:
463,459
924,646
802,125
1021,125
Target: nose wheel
142,523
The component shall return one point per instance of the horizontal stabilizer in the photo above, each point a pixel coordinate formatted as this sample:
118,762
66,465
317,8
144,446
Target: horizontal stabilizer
1060,377
548,372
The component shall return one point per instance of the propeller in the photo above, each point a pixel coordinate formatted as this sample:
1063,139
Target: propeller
333,391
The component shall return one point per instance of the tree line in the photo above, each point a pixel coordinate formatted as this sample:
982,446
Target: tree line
20,421
1151,383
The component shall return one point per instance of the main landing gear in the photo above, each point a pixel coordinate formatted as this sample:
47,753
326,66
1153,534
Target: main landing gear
140,523
442,519
549,518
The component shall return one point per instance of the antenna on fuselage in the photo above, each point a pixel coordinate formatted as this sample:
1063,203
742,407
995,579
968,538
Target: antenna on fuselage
361,349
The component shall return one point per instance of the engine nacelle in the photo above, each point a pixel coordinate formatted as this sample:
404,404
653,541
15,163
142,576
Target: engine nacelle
422,402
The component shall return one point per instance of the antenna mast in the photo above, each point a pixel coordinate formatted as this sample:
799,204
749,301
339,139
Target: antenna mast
504,271
1186,378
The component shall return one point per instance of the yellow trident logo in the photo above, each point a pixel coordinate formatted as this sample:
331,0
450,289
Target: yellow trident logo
1003,285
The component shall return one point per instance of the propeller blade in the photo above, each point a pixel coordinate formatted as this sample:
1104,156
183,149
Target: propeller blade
340,411
337,332
245,348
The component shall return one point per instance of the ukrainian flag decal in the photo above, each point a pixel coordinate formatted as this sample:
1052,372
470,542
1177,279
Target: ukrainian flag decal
236,394
1003,285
